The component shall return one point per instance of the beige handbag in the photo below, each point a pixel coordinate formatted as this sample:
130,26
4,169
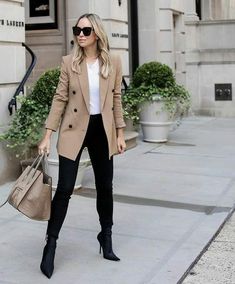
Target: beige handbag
32,192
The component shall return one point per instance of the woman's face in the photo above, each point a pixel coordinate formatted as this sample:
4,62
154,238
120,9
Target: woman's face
86,40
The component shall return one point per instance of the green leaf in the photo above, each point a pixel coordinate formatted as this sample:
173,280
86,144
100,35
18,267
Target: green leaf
25,129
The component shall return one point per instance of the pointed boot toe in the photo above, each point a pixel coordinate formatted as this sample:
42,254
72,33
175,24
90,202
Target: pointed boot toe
105,241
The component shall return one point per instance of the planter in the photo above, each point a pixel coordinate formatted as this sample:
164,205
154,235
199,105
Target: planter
155,122
53,164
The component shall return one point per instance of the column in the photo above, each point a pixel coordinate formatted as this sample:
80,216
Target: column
12,70
206,10
149,30
190,10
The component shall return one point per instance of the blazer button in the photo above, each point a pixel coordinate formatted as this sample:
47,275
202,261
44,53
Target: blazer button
74,92
113,90
70,126
75,110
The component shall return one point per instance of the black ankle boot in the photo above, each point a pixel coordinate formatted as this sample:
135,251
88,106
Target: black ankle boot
47,264
105,240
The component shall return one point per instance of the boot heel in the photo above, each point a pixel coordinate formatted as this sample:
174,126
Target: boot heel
105,242
99,237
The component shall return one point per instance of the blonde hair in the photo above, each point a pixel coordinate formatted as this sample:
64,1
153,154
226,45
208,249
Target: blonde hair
102,46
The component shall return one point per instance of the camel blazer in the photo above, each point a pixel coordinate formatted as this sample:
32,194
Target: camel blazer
70,107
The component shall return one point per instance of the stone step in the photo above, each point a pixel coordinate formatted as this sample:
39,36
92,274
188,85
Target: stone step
130,138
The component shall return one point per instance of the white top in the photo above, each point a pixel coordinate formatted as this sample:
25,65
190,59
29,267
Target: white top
94,90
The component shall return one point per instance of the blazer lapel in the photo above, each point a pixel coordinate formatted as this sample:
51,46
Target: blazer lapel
104,83
84,83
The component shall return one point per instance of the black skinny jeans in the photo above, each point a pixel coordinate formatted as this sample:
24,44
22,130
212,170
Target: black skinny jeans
96,142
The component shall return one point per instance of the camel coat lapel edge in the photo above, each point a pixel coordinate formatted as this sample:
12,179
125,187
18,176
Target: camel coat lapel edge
84,83
104,84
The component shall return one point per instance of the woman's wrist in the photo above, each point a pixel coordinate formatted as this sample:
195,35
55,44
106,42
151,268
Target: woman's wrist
120,132
48,133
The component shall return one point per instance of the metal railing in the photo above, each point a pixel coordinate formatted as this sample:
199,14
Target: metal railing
12,103
124,83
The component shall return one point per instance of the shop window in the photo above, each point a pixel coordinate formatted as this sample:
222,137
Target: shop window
41,14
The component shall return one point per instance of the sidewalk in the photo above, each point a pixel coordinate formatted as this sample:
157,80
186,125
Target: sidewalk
216,264
170,200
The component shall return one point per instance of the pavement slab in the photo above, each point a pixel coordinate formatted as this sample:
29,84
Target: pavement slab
170,199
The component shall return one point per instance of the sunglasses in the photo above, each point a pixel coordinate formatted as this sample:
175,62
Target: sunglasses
86,31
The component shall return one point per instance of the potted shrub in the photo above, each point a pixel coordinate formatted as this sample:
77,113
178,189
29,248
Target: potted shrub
27,126
156,100
130,110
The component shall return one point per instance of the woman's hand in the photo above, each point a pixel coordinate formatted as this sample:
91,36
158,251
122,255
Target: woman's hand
44,146
121,144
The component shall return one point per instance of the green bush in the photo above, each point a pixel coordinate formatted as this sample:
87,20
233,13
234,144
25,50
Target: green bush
25,129
130,105
153,74
155,81
45,87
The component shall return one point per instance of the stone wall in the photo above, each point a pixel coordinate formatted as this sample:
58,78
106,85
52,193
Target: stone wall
201,53
50,45
218,9
210,59
162,34
12,70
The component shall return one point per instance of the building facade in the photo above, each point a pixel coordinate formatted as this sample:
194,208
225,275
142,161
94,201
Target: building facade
194,37
12,70
50,44
210,57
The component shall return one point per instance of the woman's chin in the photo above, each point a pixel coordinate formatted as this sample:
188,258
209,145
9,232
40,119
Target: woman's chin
82,43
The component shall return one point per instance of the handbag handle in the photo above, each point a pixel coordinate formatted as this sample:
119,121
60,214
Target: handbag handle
33,164
32,170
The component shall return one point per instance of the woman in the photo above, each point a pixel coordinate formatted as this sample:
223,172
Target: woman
87,105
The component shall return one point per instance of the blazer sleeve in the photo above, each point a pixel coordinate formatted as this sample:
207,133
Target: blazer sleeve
117,103
60,100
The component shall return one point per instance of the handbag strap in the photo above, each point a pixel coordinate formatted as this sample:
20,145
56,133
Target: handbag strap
33,168
4,203
45,164
36,162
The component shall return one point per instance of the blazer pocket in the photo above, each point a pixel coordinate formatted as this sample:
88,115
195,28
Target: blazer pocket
67,121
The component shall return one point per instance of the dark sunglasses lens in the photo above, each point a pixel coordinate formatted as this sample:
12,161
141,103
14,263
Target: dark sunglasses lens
87,31
76,31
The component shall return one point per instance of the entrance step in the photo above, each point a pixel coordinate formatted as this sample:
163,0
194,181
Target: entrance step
131,139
